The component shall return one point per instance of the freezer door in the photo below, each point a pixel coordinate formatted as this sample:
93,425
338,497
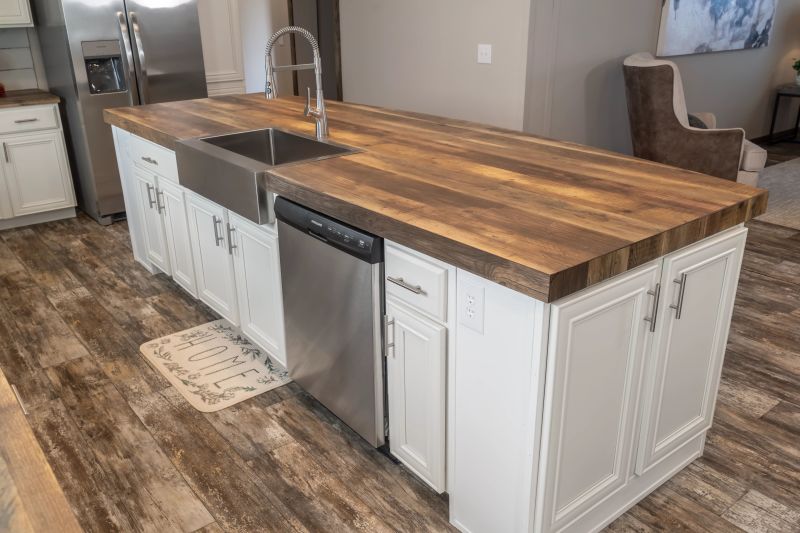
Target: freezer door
167,51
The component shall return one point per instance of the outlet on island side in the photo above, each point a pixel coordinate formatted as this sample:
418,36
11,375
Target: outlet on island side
471,305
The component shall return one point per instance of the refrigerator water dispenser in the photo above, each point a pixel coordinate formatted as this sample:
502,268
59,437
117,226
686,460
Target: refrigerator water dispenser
104,70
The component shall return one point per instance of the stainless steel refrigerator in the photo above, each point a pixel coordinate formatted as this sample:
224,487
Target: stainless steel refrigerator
111,53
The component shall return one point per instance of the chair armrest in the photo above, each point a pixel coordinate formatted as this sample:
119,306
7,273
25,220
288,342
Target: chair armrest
708,119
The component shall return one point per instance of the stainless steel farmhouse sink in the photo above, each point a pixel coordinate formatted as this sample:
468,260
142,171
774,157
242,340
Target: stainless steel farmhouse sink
231,170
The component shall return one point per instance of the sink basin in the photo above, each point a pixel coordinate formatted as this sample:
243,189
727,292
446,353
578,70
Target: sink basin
231,170
275,147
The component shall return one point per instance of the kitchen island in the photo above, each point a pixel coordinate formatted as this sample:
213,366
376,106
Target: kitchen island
578,300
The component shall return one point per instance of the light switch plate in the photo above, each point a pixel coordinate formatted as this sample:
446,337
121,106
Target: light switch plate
485,54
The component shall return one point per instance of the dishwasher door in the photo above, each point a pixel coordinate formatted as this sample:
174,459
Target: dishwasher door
332,299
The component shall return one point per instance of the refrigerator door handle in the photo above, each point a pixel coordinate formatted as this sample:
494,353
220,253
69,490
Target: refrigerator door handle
126,43
142,73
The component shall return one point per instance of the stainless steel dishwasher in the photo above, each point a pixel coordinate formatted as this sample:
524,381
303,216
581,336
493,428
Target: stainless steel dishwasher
332,277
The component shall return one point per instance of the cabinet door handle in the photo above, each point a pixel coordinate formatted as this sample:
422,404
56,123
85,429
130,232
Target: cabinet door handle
5,151
231,245
25,120
679,306
386,344
416,289
160,204
656,294
150,160
150,200
218,239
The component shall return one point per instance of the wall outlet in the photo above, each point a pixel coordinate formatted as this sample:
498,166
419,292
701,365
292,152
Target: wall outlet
470,306
485,54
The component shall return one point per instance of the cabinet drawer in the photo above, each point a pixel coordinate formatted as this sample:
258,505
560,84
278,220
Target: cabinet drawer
417,281
155,158
28,118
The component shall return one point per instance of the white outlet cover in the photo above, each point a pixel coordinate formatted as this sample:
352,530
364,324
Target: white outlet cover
485,54
471,305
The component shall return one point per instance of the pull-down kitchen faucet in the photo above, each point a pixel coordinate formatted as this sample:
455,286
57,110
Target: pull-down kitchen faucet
319,113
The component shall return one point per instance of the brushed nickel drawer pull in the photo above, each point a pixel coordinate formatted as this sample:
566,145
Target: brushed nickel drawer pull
150,160
386,344
150,200
679,306
160,204
19,399
231,245
217,237
656,294
416,289
24,120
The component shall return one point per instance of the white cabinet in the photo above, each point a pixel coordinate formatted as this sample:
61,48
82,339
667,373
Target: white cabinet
258,284
598,343
699,285
416,364
149,204
415,368
171,201
213,260
15,13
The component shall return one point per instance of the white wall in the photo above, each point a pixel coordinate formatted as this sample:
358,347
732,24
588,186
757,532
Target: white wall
17,68
259,19
575,87
421,55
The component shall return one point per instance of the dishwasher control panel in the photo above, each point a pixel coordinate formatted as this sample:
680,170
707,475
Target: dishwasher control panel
358,243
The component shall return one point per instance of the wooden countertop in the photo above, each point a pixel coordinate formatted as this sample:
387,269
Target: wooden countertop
28,97
542,217
31,499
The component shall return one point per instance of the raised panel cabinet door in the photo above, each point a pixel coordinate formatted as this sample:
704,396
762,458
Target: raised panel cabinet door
15,13
697,302
415,370
597,346
150,214
213,263
258,285
37,173
170,200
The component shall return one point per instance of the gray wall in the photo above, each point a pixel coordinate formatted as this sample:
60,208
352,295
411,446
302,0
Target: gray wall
575,89
421,55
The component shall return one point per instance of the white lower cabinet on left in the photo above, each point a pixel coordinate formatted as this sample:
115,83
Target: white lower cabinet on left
213,261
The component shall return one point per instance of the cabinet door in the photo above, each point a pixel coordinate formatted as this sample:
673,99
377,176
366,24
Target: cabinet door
37,173
690,346
173,209
212,259
15,13
150,215
415,371
258,285
598,341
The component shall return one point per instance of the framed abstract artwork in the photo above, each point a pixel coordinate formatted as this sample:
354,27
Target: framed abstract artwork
702,26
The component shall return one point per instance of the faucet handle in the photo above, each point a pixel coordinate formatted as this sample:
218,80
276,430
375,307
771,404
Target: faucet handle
307,111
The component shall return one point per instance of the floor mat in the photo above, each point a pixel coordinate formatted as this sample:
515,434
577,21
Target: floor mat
783,183
214,366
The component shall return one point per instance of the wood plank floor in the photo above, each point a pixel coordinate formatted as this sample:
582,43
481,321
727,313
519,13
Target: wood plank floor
132,455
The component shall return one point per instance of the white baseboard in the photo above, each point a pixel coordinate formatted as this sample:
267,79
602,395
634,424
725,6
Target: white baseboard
37,218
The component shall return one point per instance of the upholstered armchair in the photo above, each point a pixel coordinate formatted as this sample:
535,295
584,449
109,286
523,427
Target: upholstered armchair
661,129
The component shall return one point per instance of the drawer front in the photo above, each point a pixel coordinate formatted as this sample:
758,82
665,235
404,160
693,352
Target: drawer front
154,158
28,118
416,281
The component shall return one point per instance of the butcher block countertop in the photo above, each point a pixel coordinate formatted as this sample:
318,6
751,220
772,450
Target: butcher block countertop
28,97
542,217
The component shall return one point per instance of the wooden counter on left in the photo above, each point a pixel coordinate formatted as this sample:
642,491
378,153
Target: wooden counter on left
31,499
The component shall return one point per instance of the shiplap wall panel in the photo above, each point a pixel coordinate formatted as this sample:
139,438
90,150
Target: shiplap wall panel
16,61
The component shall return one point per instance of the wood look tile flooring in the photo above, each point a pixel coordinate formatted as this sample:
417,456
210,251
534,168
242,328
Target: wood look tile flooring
132,455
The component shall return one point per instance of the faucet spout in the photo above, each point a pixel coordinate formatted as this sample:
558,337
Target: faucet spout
318,113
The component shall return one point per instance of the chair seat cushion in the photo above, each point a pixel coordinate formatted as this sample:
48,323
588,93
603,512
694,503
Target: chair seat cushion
753,157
